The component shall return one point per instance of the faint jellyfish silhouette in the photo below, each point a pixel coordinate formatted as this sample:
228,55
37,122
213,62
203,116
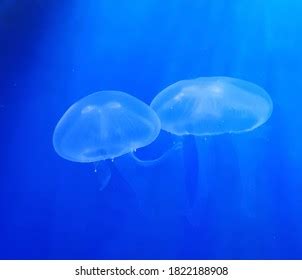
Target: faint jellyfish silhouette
210,106
103,126
157,181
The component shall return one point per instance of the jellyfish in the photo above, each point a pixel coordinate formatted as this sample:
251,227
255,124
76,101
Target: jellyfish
103,126
193,110
212,106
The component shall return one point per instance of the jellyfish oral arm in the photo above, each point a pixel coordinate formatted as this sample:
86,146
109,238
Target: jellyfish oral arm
103,173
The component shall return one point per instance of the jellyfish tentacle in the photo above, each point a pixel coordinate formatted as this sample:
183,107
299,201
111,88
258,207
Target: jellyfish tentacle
96,166
177,145
157,199
103,173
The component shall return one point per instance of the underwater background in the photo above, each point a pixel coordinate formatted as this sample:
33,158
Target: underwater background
220,197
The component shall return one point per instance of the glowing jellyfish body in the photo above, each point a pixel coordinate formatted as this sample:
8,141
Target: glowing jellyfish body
104,125
211,106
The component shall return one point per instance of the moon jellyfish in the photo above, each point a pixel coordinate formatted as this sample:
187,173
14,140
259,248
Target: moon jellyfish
103,126
210,106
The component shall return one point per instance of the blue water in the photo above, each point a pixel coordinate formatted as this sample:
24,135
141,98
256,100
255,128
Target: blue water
246,189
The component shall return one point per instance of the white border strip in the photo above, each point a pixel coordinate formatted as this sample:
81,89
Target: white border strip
120,270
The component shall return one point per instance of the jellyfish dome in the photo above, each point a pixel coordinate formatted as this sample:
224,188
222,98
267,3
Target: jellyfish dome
105,125
212,106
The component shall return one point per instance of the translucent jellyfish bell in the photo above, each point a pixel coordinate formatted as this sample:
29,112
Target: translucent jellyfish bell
105,125
212,106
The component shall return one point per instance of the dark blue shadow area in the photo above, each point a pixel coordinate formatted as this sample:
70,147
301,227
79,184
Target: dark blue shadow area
240,195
